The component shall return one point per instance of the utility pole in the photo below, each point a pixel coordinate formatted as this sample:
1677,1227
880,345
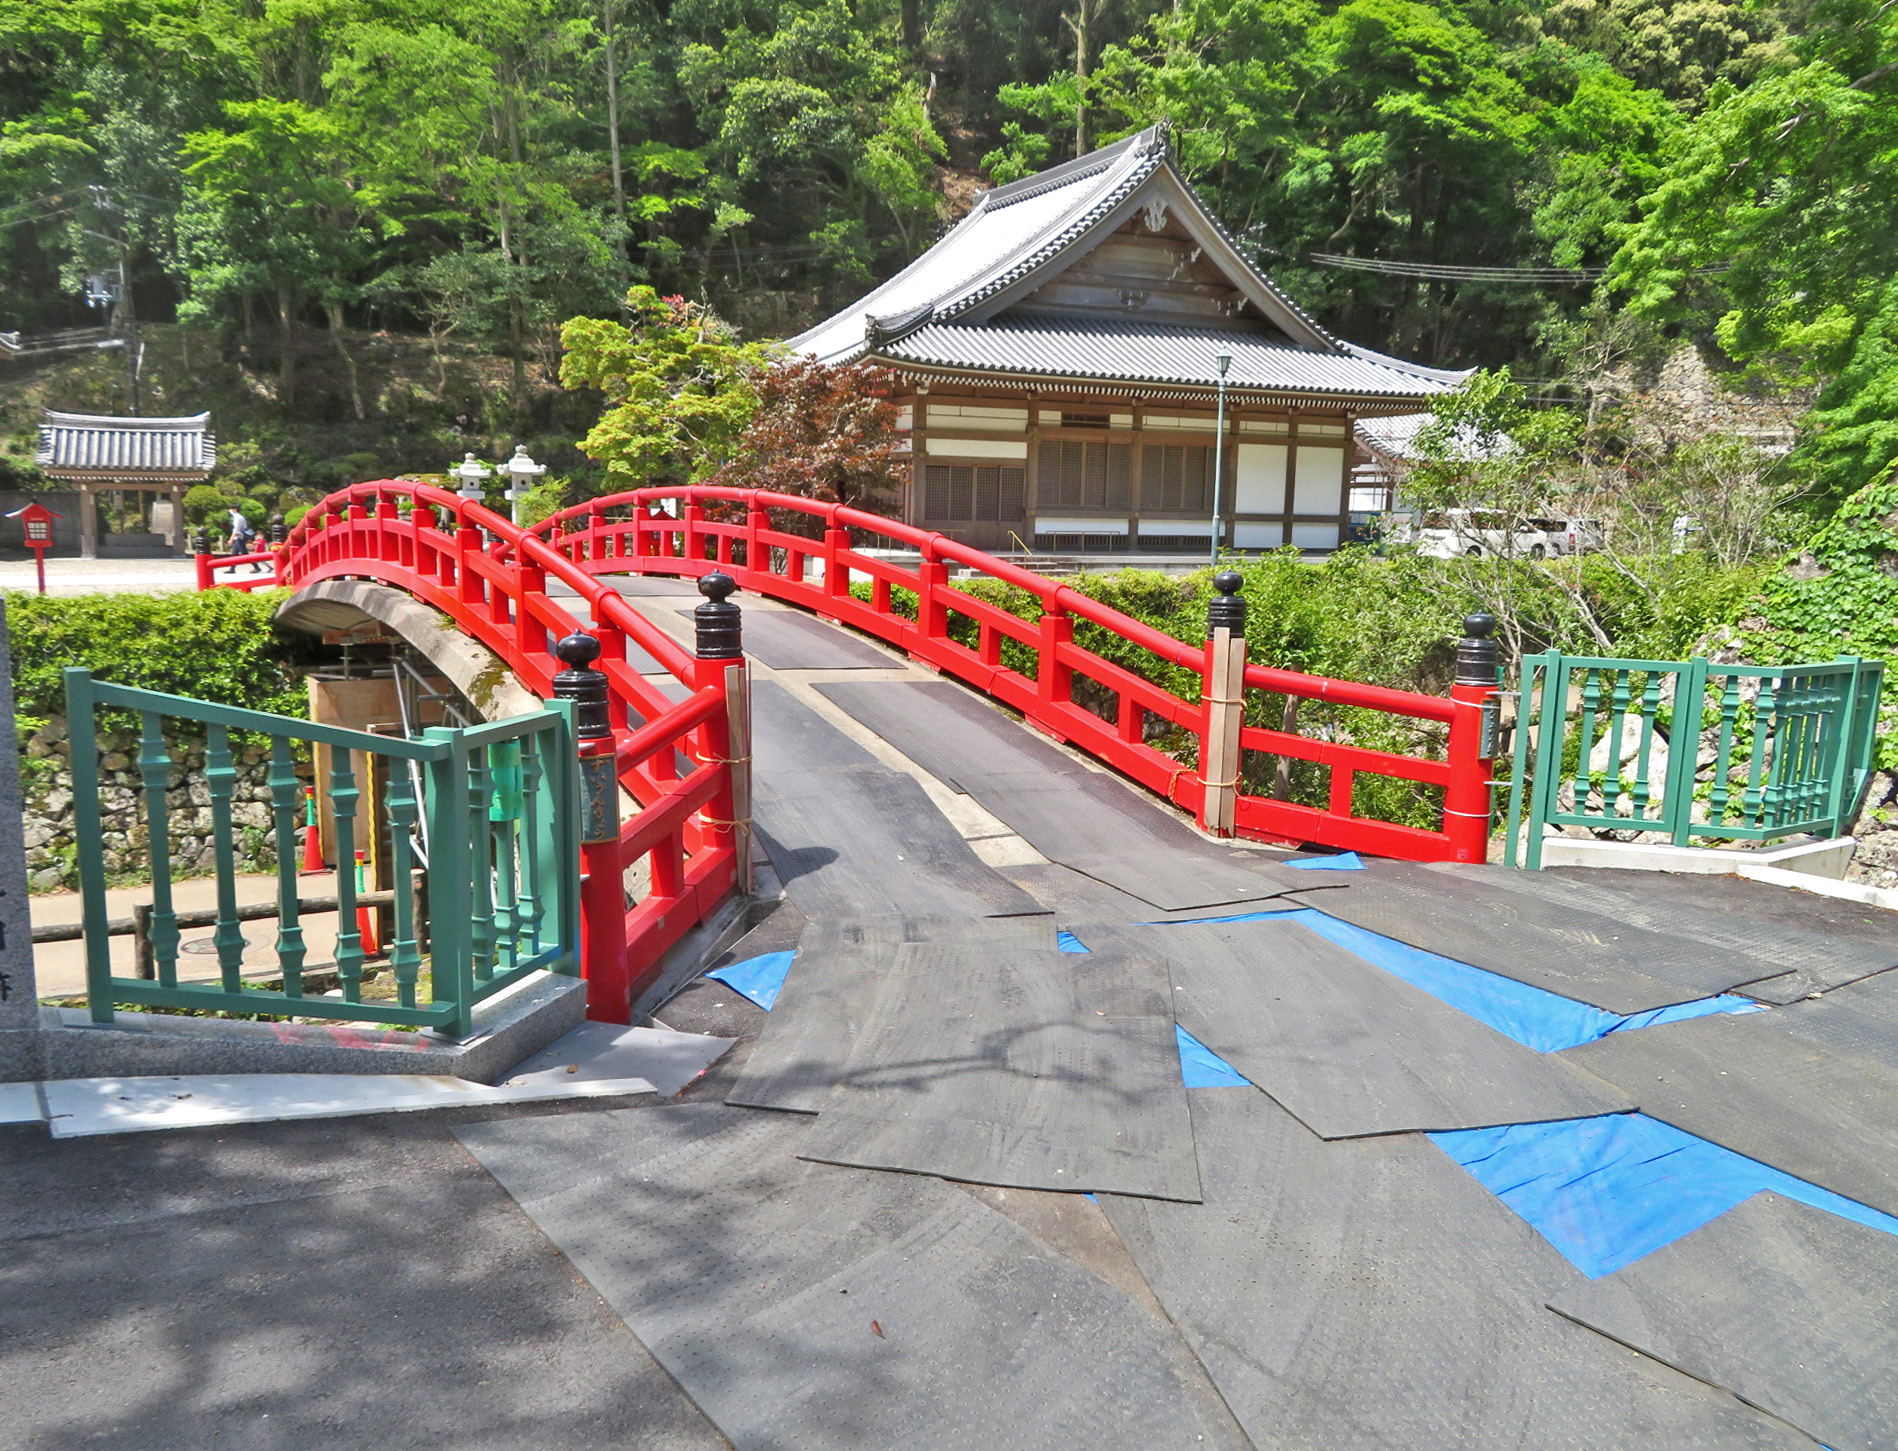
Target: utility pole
612,130
124,314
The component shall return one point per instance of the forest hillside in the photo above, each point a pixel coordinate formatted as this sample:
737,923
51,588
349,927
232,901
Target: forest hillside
328,206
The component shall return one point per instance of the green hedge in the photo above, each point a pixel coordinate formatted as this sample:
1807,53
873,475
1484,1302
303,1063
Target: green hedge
220,646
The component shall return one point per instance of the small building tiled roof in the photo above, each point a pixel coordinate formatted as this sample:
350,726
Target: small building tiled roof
966,303
126,450
1061,345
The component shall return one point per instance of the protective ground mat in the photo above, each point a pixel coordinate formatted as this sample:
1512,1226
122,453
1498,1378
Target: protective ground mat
1351,1050
805,1043
1579,954
1369,1293
785,640
1861,1018
868,842
802,1306
789,740
1076,897
951,733
1801,959
1081,818
1792,1309
1817,1112
1037,1070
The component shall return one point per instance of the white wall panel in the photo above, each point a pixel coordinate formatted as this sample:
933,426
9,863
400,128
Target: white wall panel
1259,479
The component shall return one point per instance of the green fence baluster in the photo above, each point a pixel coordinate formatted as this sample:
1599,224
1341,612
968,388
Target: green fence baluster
89,841
481,877
1617,717
452,868
154,769
285,797
1753,802
1584,785
504,813
220,777
1723,752
534,851
1642,792
405,954
343,799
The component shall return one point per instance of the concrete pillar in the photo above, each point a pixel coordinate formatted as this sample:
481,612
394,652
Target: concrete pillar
88,521
20,1054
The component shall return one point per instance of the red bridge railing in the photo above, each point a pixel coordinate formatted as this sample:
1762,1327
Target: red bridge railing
692,530
491,578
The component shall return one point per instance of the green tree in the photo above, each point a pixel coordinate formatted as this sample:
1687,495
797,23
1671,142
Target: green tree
678,386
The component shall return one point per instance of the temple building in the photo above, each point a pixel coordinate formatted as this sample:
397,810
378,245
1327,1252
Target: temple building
151,460
1059,356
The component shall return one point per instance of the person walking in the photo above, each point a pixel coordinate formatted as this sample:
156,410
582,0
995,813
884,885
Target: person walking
243,536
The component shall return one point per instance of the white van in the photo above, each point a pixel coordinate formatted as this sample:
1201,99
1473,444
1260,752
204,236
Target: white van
1469,533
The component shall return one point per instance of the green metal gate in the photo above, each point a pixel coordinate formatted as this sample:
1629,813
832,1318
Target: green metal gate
499,898
1690,748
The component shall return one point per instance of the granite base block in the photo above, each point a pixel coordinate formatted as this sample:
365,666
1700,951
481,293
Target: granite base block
508,1028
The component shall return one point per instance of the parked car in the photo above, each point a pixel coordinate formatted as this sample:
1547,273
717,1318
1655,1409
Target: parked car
1468,533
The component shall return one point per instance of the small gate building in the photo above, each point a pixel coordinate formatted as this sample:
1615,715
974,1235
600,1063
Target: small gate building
1058,362
158,457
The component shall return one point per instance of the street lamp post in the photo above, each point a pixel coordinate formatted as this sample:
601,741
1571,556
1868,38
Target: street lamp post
1224,362
521,471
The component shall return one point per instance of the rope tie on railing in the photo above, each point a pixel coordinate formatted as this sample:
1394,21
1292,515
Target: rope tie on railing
1174,780
720,821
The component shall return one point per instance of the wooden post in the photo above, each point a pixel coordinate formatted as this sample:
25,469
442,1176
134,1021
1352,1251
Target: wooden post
1468,801
603,870
719,646
1223,693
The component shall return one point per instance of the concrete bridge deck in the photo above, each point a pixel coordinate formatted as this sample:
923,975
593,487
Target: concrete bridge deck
1454,1159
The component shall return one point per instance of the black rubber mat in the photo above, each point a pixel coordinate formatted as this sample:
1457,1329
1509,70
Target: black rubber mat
1792,1309
790,741
655,585
1578,954
1861,1018
950,732
1798,959
1820,1114
806,1308
1081,818
1370,1293
788,640
1351,1050
1075,897
805,1041
868,842
1038,1070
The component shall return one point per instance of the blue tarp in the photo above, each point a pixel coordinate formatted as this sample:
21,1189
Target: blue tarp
757,978
1200,1067
1068,942
1344,861
1533,1016
1606,1191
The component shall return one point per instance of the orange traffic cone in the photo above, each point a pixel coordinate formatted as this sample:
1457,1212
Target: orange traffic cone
366,918
312,839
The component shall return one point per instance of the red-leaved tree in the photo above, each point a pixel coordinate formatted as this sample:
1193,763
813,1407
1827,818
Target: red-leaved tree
823,432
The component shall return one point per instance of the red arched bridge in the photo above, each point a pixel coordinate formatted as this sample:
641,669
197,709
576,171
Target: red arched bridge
1076,669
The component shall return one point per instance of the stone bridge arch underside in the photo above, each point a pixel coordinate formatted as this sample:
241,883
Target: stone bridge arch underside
480,675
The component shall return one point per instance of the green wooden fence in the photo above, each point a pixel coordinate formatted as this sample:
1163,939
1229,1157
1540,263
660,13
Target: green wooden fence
499,897
1690,748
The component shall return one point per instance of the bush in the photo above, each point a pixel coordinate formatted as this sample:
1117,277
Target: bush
294,515
220,646
204,502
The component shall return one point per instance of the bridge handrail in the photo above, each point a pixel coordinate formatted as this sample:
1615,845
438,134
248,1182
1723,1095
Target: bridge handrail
669,531
490,576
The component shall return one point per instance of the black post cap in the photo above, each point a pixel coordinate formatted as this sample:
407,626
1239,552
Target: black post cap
583,685
1478,657
720,622
1228,609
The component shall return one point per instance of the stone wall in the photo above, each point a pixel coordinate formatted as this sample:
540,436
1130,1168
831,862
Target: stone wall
51,851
